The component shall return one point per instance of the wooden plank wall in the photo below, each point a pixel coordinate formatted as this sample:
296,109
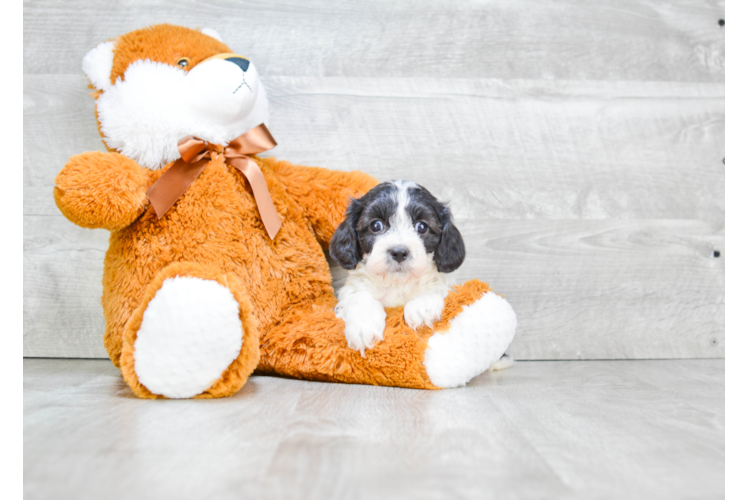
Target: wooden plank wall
581,145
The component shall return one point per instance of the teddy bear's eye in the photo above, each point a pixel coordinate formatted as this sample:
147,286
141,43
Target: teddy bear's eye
183,62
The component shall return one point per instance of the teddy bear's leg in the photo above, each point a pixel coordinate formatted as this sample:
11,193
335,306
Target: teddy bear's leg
475,340
194,335
476,328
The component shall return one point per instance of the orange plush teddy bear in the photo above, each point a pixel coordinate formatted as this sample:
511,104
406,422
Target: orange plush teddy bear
215,267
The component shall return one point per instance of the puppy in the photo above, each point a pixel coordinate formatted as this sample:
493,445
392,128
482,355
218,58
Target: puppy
399,242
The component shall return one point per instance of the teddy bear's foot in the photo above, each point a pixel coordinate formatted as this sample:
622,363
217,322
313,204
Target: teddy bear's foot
475,329
477,338
191,332
194,335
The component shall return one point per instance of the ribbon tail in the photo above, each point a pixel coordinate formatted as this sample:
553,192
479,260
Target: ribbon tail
268,213
172,184
252,142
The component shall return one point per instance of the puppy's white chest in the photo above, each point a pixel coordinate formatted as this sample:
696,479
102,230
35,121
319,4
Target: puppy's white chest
361,304
396,295
396,291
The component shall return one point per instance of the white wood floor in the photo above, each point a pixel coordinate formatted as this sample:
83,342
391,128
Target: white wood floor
539,430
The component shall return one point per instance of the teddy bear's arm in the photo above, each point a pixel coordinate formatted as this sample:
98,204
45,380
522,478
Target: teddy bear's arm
323,193
102,190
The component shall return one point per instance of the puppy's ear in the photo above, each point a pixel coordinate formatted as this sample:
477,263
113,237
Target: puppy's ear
450,253
344,246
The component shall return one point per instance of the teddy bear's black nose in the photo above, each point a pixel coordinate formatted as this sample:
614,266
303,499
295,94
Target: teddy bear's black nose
239,61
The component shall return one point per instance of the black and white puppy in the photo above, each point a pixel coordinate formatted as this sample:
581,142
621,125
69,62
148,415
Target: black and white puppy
399,242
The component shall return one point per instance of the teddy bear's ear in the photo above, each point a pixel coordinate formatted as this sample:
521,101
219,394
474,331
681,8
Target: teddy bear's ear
97,65
213,33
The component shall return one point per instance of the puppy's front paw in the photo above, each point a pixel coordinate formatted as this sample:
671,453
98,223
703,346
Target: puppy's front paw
364,324
424,310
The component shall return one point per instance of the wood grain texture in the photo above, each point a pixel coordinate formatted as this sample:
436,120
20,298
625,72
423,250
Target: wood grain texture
583,233
546,430
534,39
62,269
500,149
580,146
519,150
607,289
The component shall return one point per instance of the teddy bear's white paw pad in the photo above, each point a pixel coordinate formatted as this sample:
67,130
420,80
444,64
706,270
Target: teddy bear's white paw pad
191,332
476,339
423,310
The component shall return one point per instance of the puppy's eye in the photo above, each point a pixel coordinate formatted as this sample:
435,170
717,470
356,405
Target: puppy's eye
421,227
376,226
183,62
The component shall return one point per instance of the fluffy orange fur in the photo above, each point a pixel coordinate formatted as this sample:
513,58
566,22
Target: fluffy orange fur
164,43
214,231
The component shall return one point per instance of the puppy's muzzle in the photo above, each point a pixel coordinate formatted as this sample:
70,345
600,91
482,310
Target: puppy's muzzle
399,254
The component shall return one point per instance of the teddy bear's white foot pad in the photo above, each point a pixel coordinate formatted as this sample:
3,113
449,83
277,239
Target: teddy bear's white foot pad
191,332
476,339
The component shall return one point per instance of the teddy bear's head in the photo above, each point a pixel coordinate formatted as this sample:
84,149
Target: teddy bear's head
159,84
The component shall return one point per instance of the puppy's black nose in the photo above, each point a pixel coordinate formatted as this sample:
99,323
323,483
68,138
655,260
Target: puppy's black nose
399,253
239,61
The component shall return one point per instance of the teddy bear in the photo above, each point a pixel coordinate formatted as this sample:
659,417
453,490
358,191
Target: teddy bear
216,267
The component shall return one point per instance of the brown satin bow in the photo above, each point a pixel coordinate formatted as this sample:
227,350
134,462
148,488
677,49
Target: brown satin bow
180,176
